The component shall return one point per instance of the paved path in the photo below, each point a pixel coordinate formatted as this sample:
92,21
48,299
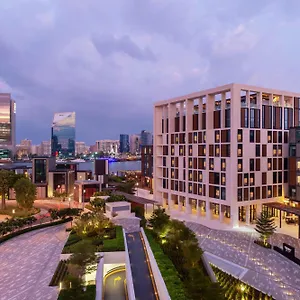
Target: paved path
28,262
268,271
142,283
115,286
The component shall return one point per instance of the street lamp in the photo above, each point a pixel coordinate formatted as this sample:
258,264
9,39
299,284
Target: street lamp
137,189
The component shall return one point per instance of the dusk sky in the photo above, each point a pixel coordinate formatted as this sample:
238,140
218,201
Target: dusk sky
110,60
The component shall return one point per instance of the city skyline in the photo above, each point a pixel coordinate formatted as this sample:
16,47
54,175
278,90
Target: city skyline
50,63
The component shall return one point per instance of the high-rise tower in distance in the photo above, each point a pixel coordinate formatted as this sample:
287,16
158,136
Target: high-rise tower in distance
63,135
7,126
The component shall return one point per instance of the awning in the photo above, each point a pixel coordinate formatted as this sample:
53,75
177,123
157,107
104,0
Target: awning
284,207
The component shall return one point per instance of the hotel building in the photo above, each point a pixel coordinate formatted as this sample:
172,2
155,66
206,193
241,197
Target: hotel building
223,154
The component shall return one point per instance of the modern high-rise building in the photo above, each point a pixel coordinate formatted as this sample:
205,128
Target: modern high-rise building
146,138
147,166
7,126
108,146
81,148
124,143
45,148
63,135
222,154
134,144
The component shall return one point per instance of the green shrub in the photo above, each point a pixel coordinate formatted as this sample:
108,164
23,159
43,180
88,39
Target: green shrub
167,269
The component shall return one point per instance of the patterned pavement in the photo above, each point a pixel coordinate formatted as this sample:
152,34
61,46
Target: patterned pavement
28,262
268,271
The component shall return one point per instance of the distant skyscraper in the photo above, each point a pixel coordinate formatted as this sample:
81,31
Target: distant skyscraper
7,126
124,143
146,138
81,148
63,135
108,146
45,148
134,144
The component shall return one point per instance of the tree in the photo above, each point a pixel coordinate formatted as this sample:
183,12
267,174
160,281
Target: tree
25,193
159,219
5,177
265,226
98,204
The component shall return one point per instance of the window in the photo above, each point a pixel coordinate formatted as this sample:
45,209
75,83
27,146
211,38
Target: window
298,179
223,193
195,138
217,150
298,165
240,135
279,150
240,165
172,150
269,191
292,150
269,136
227,118
280,137
269,164
165,161
239,194
223,164
190,150
251,136
251,164
223,179
211,164
190,163
217,136
252,118
240,150
274,177
274,150
200,176
246,179
257,150
252,193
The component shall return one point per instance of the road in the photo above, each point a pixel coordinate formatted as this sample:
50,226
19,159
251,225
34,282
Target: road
142,283
114,288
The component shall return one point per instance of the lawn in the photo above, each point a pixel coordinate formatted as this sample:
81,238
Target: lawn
75,294
109,245
20,213
167,269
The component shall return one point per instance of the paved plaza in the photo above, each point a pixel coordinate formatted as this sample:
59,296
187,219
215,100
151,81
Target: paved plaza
268,271
28,262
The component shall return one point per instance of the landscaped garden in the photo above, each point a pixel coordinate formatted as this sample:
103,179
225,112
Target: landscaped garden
17,212
180,259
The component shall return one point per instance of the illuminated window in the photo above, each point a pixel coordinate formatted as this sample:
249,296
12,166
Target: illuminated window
269,137
181,151
251,195
269,192
200,189
172,162
204,150
223,164
251,180
298,164
190,163
200,176
217,193
190,188
176,139
204,138
223,179
279,151
172,150
274,151
298,180
217,150
195,137
245,180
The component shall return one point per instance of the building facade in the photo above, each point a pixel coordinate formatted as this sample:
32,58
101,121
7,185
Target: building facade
146,138
7,126
81,148
220,154
63,135
147,166
135,144
124,143
45,148
108,146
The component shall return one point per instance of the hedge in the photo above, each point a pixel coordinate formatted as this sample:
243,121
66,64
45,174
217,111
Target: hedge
167,269
89,294
28,229
116,244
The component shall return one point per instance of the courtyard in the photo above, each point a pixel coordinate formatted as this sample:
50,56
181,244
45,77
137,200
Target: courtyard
27,264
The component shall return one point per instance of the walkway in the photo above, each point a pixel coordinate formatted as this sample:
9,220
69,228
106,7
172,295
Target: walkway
114,287
140,272
28,262
268,271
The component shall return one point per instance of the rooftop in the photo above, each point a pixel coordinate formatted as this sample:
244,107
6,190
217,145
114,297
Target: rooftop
117,203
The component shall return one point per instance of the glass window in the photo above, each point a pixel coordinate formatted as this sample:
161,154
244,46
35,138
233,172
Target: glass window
251,136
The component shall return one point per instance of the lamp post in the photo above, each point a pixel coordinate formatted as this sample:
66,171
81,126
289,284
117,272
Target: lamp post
137,189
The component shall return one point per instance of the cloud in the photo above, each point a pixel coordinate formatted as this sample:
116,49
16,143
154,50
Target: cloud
109,61
107,45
